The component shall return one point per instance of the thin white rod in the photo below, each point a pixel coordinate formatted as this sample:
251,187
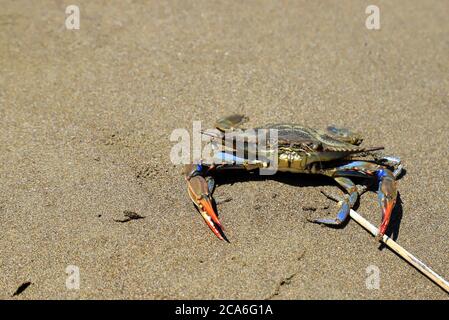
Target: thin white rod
432,275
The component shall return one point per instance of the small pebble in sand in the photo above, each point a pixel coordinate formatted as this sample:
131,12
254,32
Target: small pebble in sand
309,208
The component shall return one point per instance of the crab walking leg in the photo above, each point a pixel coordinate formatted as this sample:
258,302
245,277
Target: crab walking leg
345,203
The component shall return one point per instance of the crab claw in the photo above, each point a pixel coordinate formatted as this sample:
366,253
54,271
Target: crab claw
199,193
387,195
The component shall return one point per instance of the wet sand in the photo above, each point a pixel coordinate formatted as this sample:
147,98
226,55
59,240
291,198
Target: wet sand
85,121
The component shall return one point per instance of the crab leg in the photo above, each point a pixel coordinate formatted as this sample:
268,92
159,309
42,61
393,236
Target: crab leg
345,203
393,162
386,193
200,189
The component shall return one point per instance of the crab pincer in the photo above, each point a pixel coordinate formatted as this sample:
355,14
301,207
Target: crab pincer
199,192
387,194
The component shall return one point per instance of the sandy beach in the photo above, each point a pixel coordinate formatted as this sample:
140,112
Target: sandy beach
85,123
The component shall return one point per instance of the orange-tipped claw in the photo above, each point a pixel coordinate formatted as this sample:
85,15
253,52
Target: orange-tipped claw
199,193
387,194
387,209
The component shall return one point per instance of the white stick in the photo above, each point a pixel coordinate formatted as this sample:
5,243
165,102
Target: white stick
444,284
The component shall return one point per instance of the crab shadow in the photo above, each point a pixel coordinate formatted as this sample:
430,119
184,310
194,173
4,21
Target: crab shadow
306,180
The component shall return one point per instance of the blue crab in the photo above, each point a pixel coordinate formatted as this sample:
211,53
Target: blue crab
335,153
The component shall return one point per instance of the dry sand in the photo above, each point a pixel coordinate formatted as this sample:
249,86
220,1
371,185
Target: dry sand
85,120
